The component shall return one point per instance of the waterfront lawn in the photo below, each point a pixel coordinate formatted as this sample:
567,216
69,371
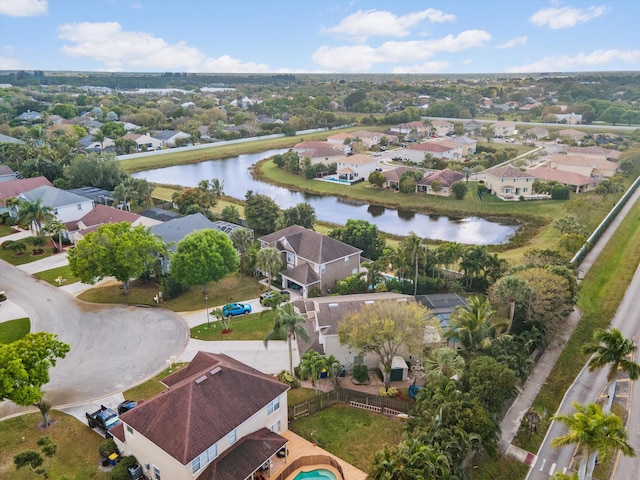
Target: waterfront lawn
13,330
239,287
350,433
77,454
255,326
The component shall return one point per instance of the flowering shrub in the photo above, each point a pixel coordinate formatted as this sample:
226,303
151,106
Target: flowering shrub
286,377
392,392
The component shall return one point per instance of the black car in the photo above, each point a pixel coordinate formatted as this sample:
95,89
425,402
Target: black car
126,406
271,293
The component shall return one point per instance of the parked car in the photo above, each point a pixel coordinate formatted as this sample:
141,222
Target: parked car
126,406
377,154
233,309
271,293
397,159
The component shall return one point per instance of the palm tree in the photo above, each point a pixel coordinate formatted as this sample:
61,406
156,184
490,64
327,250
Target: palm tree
413,248
472,326
287,322
34,214
594,432
99,137
467,171
611,348
512,289
241,239
444,363
311,366
269,261
217,189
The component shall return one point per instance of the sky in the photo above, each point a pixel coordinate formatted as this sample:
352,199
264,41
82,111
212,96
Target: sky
320,36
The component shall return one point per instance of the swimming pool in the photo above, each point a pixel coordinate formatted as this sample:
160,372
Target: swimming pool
319,474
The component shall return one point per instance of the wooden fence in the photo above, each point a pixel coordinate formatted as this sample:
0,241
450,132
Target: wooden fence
349,396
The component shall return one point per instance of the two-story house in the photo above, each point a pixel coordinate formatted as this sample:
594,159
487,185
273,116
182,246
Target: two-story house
509,182
66,206
442,128
218,420
312,260
504,129
357,167
416,151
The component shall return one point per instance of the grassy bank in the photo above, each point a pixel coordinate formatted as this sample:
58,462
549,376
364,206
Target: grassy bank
601,291
13,330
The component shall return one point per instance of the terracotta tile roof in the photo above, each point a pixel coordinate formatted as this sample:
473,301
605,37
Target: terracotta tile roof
428,147
567,178
446,177
570,132
205,401
441,123
245,457
312,145
339,136
308,244
508,171
593,150
323,152
359,159
14,188
578,160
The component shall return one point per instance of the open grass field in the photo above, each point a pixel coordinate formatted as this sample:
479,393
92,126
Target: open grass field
13,330
254,326
352,434
77,456
140,293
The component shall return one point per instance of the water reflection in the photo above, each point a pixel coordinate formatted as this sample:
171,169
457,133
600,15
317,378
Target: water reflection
236,173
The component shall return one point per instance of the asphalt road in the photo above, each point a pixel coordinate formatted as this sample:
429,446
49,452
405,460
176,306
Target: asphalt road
112,346
589,387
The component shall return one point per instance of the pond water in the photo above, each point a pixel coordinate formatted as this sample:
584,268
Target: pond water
236,173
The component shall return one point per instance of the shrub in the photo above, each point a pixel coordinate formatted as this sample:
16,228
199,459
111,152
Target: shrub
107,447
286,377
361,373
559,192
391,392
170,288
121,470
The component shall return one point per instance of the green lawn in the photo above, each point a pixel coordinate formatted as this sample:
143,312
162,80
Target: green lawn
50,276
13,330
27,257
483,467
6,230
77,455
352,434
254,326
239,287
299,395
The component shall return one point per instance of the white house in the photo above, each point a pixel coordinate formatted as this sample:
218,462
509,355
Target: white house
66,206
442,128
218,419
504,129
144,142
356,166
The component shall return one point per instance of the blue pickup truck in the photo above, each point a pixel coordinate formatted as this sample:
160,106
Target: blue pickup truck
105,419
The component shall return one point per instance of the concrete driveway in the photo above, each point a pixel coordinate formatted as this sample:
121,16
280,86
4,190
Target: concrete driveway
112,346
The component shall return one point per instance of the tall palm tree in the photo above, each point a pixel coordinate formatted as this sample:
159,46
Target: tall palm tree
472,326
287,322
512,289
217,189
594,432
241,239
269,261
34,215
611,348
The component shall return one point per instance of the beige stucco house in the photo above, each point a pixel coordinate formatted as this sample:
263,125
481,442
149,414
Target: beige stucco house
355,167
576,182
321,152
587,166
504,129
416,151
218,419
594,152
509,182
442,128
446,178
312,260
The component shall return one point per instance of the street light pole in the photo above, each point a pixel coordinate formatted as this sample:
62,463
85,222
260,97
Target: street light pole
206,306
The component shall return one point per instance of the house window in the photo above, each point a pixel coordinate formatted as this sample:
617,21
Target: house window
233,436
346,260
129,429
79,206
195,465
323,268
212,452
156,473
525,190
273,406
276,427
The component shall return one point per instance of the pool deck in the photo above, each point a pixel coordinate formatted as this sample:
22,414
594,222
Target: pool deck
299,447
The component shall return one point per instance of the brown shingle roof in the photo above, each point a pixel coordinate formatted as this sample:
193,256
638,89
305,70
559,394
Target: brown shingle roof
101,215
308,244
205,401
395,174
446,177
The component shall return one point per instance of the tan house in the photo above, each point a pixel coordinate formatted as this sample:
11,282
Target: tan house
321,152
572,134
537,132
219,419
509,182
394,175
416,151
445,178
576,182
587,166
504,129
144,142
406,128
468,144
442,128
312,260
594,152
457,148
368,138
338,139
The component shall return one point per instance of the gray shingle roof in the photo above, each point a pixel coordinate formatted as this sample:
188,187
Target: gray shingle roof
54,197
175,230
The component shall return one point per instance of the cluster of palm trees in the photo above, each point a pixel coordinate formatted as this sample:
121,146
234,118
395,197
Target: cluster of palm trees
38,218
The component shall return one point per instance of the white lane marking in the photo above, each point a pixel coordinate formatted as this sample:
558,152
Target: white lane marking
553,467
544,460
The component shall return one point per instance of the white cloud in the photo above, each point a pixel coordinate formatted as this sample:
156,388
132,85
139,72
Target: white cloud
360,58
23,8
427,67
9,63
365,23
117,49
581,61
514,42
565,17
